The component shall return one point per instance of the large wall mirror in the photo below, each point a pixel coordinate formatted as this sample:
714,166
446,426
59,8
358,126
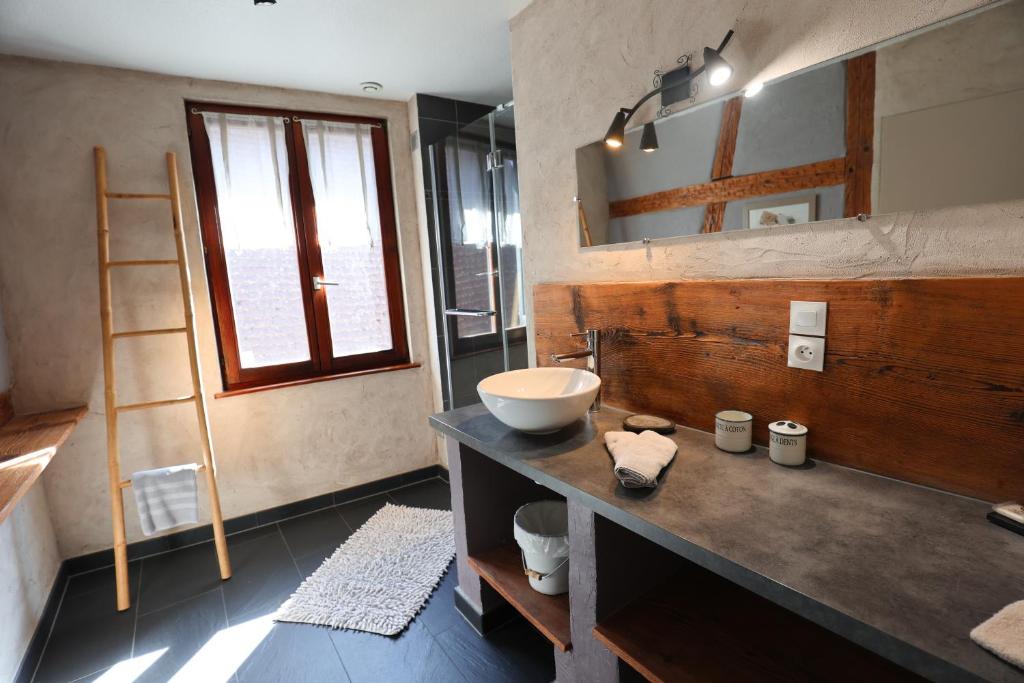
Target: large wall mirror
931,119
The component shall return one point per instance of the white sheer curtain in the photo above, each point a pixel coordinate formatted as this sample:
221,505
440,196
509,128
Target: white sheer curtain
344,180
469,190
250,167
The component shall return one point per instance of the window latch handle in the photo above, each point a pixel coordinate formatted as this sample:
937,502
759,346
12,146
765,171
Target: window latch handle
320,283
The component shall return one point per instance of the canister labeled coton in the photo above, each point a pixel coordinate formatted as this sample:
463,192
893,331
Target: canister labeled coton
734,430
787,443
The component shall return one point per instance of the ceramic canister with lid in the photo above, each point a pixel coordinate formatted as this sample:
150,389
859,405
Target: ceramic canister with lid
733,430
787,443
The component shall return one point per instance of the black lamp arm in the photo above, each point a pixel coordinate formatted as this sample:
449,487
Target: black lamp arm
725,41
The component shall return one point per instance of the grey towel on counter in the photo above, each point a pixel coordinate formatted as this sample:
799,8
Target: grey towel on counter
166,497
639,458
1003,633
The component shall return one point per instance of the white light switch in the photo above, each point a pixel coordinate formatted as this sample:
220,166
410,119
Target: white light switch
807,317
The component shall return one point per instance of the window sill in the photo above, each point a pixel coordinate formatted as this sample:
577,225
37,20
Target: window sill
27,444
310,380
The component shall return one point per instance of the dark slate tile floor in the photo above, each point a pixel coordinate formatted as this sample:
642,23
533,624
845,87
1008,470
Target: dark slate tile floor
186,625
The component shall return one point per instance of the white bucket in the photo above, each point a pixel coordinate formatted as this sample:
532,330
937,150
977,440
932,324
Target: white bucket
542,531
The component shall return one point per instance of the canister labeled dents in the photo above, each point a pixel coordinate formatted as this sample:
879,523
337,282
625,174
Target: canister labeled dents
787,443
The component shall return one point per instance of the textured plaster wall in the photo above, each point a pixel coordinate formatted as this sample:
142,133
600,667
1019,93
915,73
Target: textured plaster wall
273,447
574,62
28,558
29,561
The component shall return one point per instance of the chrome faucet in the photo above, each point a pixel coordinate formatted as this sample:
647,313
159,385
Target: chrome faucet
592,353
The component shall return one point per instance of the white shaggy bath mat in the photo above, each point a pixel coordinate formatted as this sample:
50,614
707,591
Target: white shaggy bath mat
380,577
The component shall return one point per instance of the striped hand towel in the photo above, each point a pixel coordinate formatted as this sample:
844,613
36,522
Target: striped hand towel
166,497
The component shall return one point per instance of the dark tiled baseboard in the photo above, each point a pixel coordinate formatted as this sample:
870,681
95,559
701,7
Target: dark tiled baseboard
200,534
34,651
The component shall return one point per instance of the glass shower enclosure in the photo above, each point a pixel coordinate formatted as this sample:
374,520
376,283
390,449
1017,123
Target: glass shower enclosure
475,202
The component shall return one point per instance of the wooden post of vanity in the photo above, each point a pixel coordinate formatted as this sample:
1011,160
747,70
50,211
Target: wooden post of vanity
484,499
589,660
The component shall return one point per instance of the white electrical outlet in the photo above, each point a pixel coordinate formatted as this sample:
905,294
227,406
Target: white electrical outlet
806,353
807,317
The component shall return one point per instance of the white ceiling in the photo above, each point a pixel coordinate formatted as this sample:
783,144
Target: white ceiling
453,48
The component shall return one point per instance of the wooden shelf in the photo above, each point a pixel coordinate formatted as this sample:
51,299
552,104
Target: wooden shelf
502,569
27,444
699,627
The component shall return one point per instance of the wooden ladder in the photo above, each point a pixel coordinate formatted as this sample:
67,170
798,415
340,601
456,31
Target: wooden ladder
117,485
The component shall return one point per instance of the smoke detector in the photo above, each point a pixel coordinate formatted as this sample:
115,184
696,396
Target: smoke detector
371,87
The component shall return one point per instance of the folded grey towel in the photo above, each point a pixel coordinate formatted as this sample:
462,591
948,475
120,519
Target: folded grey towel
639,458
166,497
1003,633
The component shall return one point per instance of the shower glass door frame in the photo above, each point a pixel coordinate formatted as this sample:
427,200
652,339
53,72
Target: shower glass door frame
503,196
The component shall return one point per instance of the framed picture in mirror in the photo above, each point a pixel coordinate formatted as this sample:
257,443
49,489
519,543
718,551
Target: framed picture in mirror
765,213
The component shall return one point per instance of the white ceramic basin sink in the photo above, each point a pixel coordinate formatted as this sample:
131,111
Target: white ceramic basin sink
539,400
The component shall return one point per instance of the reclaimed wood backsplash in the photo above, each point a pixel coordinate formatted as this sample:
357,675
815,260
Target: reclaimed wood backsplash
6,407
923,380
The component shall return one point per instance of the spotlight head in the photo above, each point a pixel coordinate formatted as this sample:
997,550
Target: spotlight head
649,139
718,69
617,131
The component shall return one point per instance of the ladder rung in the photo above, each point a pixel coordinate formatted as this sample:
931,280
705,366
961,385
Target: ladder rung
144,262
135,195
128,482
147,333
155,404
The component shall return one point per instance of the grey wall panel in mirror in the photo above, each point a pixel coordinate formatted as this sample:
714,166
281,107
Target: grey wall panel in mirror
795,122
928,120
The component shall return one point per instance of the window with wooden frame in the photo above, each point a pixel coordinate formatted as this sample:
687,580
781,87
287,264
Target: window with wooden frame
301,245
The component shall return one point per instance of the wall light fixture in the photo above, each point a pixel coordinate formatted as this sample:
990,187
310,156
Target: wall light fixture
649,139
719,72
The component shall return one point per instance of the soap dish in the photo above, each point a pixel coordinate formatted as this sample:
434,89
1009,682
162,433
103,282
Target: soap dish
640,423
1009,516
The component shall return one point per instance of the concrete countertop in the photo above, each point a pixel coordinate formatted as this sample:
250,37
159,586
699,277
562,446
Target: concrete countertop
903,570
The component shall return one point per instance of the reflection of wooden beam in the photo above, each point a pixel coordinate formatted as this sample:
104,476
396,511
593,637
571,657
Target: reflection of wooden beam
854,169
583,224
725,152
817,174
714,217
860,133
